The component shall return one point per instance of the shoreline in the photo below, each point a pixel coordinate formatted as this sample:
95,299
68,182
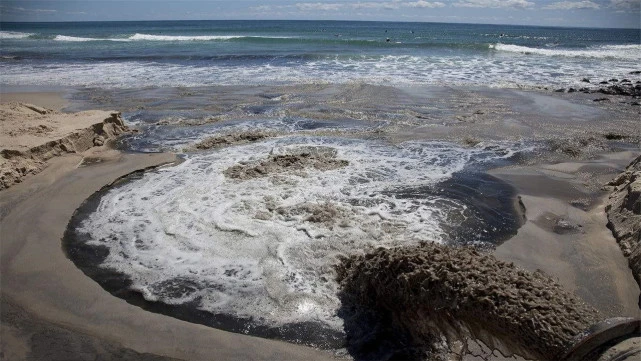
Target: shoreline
33,227
34,216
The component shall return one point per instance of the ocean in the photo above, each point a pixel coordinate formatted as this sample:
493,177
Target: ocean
203,53
353,136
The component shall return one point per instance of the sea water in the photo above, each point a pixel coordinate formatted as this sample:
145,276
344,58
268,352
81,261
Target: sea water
203,53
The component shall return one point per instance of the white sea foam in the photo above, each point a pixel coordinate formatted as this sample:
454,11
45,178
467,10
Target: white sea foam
630,52
499,69
14,35
248,248
149,37
81,39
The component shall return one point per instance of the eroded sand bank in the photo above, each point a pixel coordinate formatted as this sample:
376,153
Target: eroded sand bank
31,135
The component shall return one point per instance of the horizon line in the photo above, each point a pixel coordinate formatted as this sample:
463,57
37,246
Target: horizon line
317,20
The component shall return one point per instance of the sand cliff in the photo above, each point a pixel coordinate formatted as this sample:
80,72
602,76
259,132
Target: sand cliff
31,135
624,214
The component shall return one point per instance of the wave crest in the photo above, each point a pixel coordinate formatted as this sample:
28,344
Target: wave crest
631,51
14,35
80,39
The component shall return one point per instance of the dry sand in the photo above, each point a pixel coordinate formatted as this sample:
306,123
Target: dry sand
50,100
31,135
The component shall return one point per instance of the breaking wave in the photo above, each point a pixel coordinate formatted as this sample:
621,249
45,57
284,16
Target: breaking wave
630,52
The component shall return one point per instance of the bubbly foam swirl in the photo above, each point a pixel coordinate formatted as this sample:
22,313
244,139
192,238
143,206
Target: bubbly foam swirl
264,247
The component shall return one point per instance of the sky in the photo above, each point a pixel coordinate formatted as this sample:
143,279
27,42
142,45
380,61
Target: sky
582,13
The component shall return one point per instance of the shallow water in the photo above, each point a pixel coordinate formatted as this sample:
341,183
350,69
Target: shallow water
201,53
261,251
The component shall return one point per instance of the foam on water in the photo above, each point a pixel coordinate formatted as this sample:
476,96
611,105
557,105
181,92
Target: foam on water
630,52
251,248
149,37
14,35
503,69
499,71
81,39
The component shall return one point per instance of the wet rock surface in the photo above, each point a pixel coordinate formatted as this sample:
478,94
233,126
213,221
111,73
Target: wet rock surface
432,298
624,214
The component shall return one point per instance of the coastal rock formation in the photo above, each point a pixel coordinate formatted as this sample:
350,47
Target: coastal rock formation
31,135
624,214
432,295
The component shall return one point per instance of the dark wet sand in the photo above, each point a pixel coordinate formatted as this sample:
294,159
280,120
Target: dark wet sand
46,298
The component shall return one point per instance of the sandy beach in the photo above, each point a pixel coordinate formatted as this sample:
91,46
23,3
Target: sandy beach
52,311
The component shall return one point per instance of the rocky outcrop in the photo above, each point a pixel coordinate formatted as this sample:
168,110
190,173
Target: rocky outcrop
624,214
431,293
27,150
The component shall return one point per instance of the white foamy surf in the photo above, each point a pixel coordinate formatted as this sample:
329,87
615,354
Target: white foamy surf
629,52
256,248
81,39
505,69
147,37
14,35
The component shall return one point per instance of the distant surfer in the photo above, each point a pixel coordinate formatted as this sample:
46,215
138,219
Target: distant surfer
387,40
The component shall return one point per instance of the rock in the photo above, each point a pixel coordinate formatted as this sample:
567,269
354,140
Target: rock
613,80
604,82
623,209
614,136
98,141
571,90
560,90
601,100
585,80
636,72
563,226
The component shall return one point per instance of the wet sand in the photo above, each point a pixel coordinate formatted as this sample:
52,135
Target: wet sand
52,311
44,294
566,235
38,278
